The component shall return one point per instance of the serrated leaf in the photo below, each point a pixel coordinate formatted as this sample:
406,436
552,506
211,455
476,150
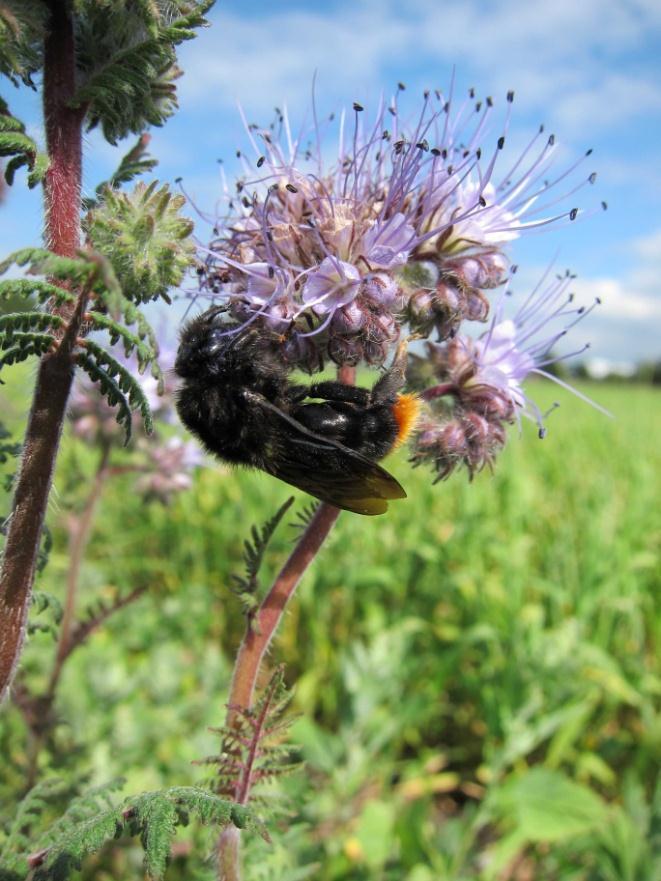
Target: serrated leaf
42,290
24,346
44,262
12,142
12,167
158,817
24,340
126,382
132,342
38,171
111,390
17,321
133,164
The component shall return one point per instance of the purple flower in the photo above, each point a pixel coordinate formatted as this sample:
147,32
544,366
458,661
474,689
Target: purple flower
479,382
303,241
388,245
332,285
404,233
168,468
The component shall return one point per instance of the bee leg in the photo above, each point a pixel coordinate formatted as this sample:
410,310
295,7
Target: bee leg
386,389
337,391
297,393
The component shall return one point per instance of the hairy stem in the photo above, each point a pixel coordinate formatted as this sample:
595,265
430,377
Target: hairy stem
55,375
257,640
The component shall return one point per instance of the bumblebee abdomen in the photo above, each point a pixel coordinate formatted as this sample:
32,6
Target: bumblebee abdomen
371,431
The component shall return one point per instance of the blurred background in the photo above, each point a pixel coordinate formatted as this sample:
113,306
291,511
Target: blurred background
476,673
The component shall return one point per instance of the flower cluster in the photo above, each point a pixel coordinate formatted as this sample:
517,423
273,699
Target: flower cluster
405,230
162,466
477,386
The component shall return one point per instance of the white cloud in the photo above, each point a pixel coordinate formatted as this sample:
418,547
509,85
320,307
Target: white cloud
553,54
627,301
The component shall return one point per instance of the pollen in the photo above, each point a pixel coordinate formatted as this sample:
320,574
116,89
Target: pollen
406,410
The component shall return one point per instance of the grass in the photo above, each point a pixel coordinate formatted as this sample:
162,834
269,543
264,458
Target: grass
460,663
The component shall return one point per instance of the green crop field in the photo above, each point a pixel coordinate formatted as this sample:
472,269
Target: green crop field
475,674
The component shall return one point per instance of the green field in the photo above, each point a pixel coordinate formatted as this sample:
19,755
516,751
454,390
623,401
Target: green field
476,672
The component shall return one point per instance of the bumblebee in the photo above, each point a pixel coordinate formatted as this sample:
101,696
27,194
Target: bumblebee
324,438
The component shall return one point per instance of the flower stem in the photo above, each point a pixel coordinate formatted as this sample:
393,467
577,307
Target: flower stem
257,640
258,637
55,375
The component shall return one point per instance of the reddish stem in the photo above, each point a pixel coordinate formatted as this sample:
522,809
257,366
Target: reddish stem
257,640
259,636
55,375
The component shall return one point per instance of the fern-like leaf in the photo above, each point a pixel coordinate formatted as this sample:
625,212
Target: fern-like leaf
95,615
16,143
26,815
44,262
305,515
158,818
153,816
26,321
253,748
23,345
111,390
133,164
126,382
42,291
9,449
132,342
22,24
129,80
246,586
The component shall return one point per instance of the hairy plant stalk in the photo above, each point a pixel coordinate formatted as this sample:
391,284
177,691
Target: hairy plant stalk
62,187
258,637
259,634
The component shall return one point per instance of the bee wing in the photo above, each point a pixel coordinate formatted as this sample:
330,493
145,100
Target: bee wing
326,469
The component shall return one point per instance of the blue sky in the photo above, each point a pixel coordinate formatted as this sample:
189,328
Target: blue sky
589,70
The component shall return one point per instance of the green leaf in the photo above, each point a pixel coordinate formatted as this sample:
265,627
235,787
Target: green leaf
40,166
127,383
158,818
23,345
134,163
42,290
24,321
545,805
22,24
111,390
132,342
44,262
128,73
375,832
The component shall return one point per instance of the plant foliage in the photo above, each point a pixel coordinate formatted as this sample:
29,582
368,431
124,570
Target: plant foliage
21,147
127,61
145,238
253,748
246,586
92,819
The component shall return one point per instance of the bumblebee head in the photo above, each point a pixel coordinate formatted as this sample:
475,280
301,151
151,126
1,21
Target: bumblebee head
202,346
